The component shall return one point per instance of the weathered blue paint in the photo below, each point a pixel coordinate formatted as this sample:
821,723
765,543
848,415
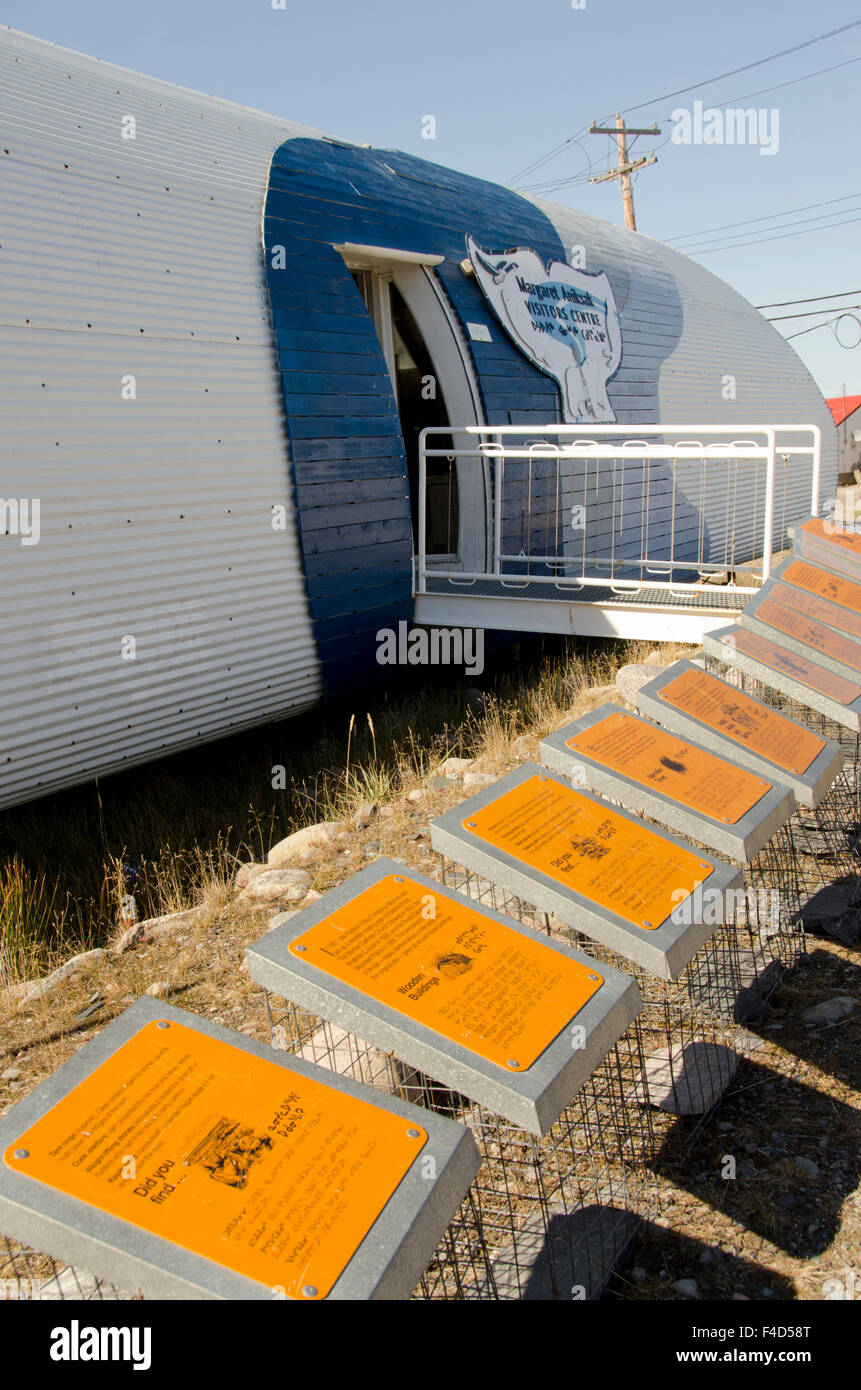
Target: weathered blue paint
347,453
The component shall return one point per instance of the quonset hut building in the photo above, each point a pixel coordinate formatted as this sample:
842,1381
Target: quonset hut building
222,336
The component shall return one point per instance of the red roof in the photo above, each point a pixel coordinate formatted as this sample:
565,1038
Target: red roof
841,406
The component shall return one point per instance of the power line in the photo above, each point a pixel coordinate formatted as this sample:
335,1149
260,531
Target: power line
782,227
767,217
784,53
707,82
758,241
812,313
811,299
830,323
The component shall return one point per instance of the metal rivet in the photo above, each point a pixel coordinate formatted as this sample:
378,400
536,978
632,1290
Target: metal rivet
298,947
162,1023
309,1291
512,1062
646,923
399,878
594,977
21,1153
471,824
414,1134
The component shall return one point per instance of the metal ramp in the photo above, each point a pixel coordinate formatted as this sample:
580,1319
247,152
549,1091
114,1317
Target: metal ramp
664,533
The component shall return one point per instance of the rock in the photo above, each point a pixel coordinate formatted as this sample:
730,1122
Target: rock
686,1288
129,939
438,784
387,812
749,1006
475,781
62,972
89,1011
456,767
639,1275
246,872
282,917
829,1011
418,794
685,1080
630,679
303,845
12,992
154,927
10,1074
312,896
740,1298
159,989
289,885
806,1166
656,658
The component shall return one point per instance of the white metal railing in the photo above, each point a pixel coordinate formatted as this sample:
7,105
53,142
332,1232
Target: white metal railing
627,507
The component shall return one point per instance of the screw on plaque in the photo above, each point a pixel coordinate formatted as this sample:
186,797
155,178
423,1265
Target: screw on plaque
299,947
309,1291
162,1023
21,1153
470,824
513,1063
646,923
594,977
399,878
414,1134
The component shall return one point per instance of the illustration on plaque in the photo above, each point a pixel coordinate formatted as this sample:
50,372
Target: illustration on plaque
229,1151
453,965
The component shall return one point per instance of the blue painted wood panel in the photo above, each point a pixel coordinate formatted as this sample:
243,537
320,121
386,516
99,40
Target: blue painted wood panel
346,448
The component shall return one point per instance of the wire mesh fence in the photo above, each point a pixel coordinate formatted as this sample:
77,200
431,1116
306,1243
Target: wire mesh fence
549,1216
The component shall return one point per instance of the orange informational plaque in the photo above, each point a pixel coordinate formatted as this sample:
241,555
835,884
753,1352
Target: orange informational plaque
812,606
697,779
269,1174
828,586
737,716
478,983
616,863
812,634
834,534
797,668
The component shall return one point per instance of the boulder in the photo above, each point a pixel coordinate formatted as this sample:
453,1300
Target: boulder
475,781
246,872
303,845
456,767
277,885
829,1011
62,972
630,679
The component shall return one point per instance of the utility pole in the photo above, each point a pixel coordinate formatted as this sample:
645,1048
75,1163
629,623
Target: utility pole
625,169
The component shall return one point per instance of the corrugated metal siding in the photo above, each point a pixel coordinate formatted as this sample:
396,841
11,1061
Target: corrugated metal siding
138,257
683,331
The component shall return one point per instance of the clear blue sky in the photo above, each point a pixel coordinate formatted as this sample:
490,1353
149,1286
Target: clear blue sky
507,82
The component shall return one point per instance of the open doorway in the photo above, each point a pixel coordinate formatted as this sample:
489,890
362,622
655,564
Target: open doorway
433,385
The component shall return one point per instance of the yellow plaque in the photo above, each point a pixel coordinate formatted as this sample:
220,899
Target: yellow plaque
476,982
811,633
848,542
269,1174
829,586
616,863
737,716
798,668
812,606
666,763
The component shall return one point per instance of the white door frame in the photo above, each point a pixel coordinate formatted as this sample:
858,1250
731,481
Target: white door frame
412,274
